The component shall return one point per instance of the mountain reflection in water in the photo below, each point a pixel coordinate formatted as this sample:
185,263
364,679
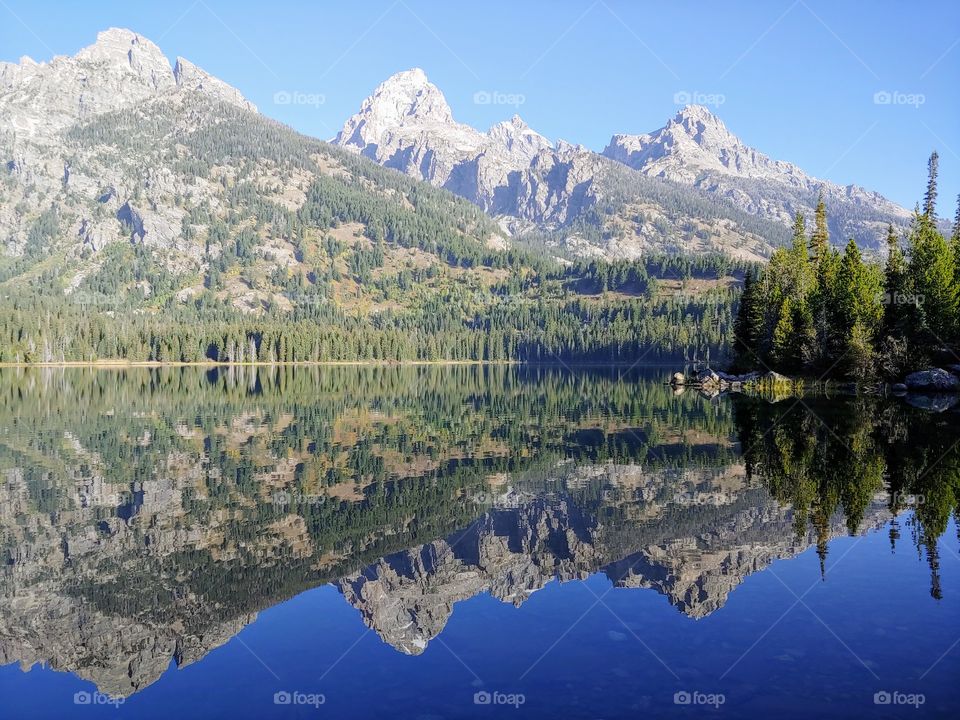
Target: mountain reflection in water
151,514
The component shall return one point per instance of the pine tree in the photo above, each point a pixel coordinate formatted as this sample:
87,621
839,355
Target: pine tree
820,239
858,310
899,314
955,238
932,277
784,335
930,197
955,246
825,267
748,326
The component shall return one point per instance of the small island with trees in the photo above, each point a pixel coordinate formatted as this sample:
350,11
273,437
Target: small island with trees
818,314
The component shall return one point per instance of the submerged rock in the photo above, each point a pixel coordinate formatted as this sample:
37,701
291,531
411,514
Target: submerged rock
934,379
937,403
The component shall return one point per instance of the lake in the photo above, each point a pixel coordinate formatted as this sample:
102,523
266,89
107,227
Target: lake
470,541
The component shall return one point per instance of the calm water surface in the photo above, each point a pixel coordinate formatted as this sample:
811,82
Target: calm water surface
448,542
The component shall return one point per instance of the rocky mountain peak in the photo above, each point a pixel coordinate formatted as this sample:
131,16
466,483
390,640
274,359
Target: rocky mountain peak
408,96
518,139
703,127
121,69
404,103
190,77
126,50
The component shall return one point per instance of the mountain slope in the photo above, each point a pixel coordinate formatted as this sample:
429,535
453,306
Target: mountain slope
697,149
148,213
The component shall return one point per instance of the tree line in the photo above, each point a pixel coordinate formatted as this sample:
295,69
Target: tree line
815,310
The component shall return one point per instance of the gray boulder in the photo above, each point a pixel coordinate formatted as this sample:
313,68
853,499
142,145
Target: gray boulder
934,379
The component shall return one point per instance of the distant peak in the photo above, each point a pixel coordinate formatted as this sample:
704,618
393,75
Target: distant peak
115,45
403,97
414,76
696,112
114,33
514,124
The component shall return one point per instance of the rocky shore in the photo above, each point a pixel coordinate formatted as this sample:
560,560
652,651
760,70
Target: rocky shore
936,389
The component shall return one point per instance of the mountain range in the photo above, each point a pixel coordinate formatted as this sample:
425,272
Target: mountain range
73,137
518,175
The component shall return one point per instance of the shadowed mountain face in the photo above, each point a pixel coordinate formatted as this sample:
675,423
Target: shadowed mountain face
148,516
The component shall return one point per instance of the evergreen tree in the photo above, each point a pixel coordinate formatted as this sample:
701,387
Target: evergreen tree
955,247
930,197
820,239
899,313
748,326
858,310
933,283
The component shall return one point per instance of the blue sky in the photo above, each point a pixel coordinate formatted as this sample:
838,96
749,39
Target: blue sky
797,80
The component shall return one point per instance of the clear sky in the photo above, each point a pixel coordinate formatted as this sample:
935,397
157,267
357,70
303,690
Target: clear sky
852,91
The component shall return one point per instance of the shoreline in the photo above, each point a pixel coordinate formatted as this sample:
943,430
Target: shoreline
119,364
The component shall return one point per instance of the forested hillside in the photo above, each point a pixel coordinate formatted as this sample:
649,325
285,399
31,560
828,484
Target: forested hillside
187,229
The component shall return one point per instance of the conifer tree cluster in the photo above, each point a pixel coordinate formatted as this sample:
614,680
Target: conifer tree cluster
818,311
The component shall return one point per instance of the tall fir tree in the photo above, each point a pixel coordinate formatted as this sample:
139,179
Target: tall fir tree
930,197
748,326
955,245
932,271
820,238
858,311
